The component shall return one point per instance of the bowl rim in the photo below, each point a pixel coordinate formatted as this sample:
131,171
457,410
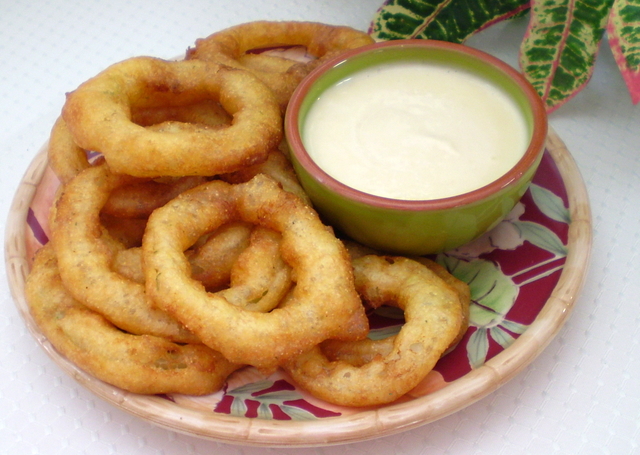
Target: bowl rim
529,158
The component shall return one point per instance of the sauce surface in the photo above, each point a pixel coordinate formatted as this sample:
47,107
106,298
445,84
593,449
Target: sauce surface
415,131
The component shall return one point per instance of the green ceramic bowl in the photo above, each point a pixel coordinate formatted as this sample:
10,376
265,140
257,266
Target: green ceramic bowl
415,227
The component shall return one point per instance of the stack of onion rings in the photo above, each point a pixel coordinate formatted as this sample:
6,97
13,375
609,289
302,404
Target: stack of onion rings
141,364
183,247
234,46
84,253
324,303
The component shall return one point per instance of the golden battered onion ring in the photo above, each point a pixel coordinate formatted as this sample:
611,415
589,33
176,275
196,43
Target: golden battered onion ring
137,363
206,112
278,167
127,231
460,287
324,303
367,347
433,316
98,114
360,352
266,62
128,263
85,257
259,278
212,261
254,277
67,159
139,199
321,40
64,156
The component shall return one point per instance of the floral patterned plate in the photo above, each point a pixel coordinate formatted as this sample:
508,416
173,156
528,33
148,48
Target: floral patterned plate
524,277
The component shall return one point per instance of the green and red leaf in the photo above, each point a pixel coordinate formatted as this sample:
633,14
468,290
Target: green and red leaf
561,44
623,31
559,50
446,20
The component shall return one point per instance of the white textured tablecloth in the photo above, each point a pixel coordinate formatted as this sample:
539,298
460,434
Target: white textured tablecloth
580,396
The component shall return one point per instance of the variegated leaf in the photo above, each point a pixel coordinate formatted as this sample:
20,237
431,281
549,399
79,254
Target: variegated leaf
560,46
623,31
445,20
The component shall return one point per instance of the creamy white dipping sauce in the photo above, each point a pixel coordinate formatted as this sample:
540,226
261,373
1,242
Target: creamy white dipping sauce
415,131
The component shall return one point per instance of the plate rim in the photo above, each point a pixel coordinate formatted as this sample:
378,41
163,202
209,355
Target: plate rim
361,426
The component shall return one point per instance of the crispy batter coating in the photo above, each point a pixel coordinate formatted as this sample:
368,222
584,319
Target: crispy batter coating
137,363
99,116
278,167
64,156
84,252
183,246
140,199
433,316
233,46
324,303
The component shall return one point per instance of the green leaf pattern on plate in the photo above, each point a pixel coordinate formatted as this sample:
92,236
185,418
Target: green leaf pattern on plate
477,347
386,332
279,398
541,236
549,204
493,293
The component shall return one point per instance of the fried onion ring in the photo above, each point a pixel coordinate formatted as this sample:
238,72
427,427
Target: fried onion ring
321,40
433,316
212,261
324,303
259,278
368,348
98,114
254,277
278,167
360,352
267,62
137,363
67,159
139,199
206,112
85,257
127,231
460,287
64,156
